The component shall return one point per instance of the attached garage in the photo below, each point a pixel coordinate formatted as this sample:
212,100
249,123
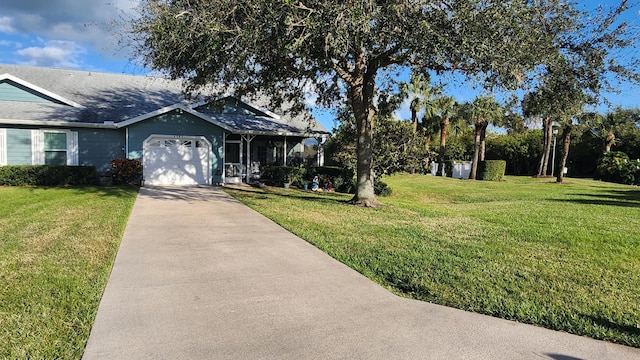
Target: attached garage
176,160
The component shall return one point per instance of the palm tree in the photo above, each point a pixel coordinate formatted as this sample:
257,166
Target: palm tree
481,112
605,127
421,93
420,90
445,108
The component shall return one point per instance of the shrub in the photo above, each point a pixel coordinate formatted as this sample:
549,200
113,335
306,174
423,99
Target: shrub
47,175
522,152
448,168
615,166
277,175
491,170
381,188
126,171
343,179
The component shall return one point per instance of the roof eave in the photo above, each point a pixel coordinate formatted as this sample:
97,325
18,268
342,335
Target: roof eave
280,133
58,124
168,109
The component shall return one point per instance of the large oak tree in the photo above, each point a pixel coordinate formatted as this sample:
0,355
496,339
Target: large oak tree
343,50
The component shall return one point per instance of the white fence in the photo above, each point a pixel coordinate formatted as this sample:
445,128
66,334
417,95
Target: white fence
461,170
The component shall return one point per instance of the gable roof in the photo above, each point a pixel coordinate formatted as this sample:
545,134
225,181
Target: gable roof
8,78
98,99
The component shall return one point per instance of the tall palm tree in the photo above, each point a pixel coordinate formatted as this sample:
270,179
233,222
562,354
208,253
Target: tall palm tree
420,90
481,112
445,108
605,127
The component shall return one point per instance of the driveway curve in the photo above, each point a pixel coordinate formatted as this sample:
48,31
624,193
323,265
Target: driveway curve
199,275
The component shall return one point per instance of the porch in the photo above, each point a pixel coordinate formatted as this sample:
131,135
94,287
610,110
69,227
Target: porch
246,154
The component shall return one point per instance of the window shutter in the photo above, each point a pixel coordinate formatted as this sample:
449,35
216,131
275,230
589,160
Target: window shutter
72,148
3,147
37,147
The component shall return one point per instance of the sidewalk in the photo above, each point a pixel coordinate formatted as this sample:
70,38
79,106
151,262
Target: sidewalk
200,276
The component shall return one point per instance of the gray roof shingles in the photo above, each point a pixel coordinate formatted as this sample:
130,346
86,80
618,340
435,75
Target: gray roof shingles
117,97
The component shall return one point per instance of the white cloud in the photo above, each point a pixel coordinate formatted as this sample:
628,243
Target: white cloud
57,53
404,111
9,43
5,24
87,22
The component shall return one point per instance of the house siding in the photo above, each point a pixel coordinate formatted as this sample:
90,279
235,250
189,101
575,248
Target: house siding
10,91
175,124
97,147
18,147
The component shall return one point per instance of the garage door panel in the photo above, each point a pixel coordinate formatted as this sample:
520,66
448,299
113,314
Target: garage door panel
169,161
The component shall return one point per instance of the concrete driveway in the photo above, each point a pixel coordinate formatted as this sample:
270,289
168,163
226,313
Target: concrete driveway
200,276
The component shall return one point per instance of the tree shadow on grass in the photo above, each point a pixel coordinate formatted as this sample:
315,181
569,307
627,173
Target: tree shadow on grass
295,194
630,330
107,191
624,198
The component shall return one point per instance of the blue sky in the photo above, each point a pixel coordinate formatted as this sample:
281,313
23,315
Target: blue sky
75,34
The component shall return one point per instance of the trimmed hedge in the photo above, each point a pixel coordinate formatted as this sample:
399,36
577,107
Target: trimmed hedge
47,175
491,170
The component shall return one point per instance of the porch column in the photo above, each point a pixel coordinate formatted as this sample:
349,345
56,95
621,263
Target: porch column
285,151
320,154
224,157
248,139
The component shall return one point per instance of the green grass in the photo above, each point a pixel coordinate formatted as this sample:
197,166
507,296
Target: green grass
562,256
57,246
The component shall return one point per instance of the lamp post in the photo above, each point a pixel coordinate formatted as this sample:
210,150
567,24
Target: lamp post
553,156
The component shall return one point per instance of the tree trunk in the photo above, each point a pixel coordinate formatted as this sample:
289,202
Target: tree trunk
566,135
546,148
483,143
361,92
476,152
608,141
444,129
414,118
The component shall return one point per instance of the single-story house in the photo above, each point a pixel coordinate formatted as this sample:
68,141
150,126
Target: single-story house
54,116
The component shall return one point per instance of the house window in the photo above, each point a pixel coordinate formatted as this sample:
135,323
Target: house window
55,148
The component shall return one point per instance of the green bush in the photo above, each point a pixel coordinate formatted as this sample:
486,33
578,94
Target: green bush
343,179
126,171
491,170
278,175
522,152
381,188
448,168
615,166
47,175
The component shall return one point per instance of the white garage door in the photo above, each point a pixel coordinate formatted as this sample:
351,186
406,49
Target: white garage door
176,161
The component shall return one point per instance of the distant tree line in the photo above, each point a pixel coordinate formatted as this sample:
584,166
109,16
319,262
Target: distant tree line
484,129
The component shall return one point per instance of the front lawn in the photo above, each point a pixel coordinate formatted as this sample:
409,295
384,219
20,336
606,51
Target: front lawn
562,256
57,246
